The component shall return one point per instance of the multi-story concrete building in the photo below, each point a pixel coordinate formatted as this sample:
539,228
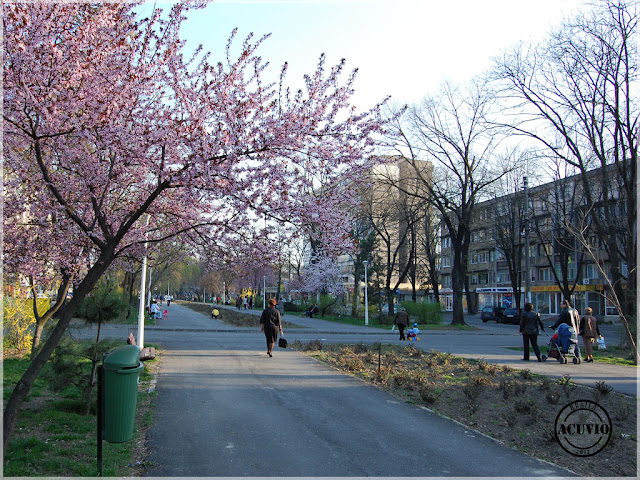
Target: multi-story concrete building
503,228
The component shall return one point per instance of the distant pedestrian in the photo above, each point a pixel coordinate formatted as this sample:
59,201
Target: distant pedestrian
568,315
270,324
529,322
402,320
589,331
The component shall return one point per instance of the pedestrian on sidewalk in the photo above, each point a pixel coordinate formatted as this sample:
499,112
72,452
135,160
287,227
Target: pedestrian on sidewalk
589,331
529,322
402,320
270,324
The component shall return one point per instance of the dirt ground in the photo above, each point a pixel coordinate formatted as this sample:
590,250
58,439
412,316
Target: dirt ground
514,407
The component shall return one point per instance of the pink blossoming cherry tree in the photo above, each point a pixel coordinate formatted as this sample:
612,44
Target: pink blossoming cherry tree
107,125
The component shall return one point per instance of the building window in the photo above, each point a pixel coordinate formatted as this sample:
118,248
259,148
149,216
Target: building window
592,271
446,242
503,276
544,274
624,269
483,278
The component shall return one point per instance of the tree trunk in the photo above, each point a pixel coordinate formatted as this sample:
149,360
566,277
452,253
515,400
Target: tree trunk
457,283
471,309
67,311
37,336
356,299
92,375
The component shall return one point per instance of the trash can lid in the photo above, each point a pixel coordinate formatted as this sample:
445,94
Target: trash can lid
124,356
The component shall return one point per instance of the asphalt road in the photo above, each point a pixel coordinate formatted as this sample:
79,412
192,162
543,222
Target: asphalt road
225,409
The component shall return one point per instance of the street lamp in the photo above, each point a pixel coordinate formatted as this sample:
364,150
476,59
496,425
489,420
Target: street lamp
264,291
527,258
366,295
143,291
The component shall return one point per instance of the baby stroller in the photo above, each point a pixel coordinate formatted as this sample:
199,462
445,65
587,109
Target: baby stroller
564,344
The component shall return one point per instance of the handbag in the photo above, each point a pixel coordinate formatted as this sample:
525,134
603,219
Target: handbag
601,344
282,342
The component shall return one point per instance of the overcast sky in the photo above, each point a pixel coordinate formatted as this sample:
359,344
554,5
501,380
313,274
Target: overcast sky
402,48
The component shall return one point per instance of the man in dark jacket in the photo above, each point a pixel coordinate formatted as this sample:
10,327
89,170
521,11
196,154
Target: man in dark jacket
568,315
529,322
402,320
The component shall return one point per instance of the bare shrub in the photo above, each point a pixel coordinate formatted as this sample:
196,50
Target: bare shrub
429,394
552,397
527,406
526,374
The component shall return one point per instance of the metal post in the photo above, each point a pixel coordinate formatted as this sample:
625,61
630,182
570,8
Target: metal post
143,290
366,295
150,272
527,258
99,420
264,291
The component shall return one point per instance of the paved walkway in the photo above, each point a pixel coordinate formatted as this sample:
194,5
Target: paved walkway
224,409
496,343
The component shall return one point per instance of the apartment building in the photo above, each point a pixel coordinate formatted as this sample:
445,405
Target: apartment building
502,230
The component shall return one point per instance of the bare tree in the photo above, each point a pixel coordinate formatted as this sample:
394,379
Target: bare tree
576,95
449,130
391,214
509,222
429,242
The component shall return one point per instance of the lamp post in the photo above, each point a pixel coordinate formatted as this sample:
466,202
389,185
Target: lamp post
366,295
143,291
264,291
527,258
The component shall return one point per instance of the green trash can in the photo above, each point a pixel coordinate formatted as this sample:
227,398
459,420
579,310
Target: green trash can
121,370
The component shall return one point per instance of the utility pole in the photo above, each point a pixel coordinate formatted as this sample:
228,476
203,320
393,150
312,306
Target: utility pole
366,295
527,257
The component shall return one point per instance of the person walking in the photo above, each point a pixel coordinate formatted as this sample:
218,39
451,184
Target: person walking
402,320
270,324
529,322
589,331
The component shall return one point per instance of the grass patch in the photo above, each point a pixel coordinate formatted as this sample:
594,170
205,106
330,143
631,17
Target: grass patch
612,355
386,322
52,439
230,316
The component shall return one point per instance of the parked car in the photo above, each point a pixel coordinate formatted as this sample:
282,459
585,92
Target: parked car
492,313
511,315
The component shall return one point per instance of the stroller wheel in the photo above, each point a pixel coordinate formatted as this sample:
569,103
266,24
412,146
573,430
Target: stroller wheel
561,359
575,360
544,358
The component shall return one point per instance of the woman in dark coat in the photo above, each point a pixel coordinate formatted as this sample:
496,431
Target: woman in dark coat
270,324
529,322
